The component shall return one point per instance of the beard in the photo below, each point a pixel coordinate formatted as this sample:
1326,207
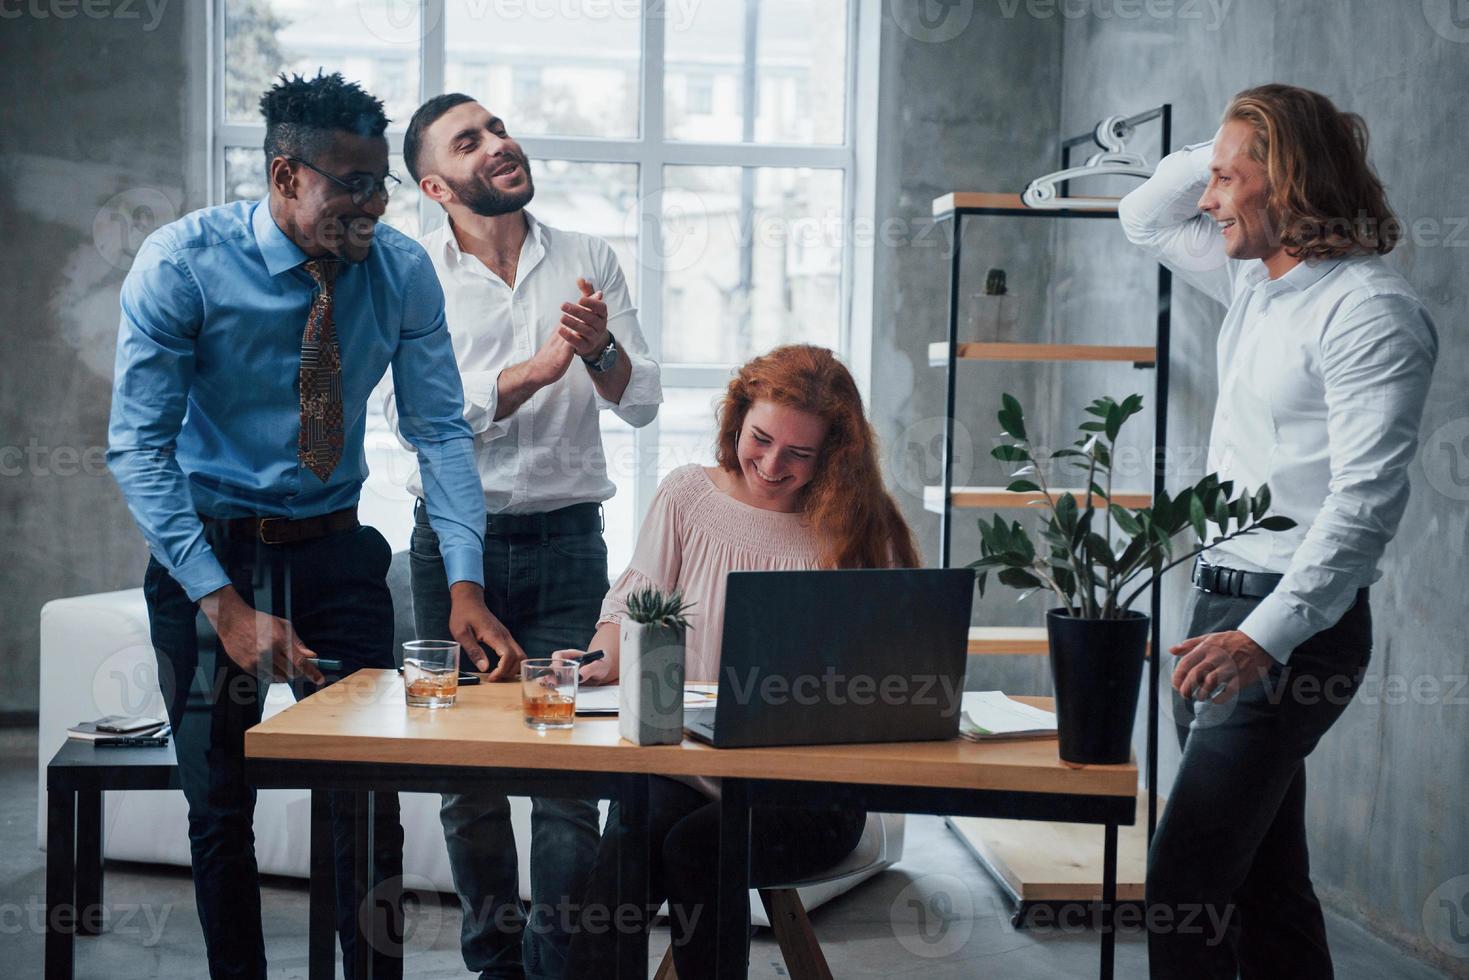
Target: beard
481,196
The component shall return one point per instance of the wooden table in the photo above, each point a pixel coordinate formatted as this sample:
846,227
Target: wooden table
358,735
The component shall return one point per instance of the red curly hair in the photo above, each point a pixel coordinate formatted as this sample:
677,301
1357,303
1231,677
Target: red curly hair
845,502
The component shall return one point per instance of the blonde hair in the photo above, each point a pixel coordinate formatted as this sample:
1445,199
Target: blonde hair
1323,193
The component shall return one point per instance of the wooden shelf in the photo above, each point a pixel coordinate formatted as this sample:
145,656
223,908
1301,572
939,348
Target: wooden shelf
1023,640
999,498
1057,862
949,203
938,353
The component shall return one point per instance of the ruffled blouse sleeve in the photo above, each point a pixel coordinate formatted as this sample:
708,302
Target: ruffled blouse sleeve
658,556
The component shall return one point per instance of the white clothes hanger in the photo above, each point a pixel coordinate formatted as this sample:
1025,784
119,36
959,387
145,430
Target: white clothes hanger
1111,134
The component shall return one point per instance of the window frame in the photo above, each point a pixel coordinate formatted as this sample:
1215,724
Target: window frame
651,150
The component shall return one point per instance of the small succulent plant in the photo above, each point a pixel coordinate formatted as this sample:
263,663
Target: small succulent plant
654,608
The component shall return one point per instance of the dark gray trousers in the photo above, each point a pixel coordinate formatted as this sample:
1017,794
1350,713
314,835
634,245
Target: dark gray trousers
1229,885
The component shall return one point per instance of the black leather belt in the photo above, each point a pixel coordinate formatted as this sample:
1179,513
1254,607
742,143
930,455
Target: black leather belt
576,519
1233,581
286,530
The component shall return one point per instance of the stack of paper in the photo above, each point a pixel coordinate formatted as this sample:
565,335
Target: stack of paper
602,700
990,715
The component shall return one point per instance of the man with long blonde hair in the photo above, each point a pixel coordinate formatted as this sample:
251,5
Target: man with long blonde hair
1324,361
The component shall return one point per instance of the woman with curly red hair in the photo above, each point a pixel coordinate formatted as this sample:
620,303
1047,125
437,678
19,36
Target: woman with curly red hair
797,485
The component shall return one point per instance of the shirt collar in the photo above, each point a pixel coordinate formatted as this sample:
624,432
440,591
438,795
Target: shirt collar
1301,277
531,251
278,251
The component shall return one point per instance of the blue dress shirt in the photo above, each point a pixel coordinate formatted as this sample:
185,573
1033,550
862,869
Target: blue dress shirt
205,403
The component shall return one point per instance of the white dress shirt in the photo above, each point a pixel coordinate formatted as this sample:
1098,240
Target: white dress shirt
1322,378
548,453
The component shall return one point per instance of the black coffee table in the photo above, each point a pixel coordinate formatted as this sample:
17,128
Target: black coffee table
76,778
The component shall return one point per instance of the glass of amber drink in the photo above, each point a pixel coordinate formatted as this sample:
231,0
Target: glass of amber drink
548,693
430,673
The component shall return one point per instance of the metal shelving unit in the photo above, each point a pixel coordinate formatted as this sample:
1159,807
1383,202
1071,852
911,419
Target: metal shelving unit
1049,860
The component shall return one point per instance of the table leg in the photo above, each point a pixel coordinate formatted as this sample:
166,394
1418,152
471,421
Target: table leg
632,876
362,881
60,883
732,951
1109,900
89,862
321,935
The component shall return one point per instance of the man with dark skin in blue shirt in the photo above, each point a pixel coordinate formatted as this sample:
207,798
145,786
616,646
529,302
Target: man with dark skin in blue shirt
252,334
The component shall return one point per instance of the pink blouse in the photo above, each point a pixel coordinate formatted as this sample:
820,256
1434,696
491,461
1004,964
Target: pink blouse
693,536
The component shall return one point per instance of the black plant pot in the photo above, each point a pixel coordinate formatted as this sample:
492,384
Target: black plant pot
1097,665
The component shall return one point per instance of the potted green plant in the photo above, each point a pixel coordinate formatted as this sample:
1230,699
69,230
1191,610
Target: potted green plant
1097,557
651,667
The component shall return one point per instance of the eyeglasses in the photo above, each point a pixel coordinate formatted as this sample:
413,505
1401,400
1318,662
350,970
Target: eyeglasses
361,187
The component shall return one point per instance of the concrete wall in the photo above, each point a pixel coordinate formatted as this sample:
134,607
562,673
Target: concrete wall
95,154
969,102
1388,797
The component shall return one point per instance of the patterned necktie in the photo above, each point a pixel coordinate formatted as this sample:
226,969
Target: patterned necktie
320,447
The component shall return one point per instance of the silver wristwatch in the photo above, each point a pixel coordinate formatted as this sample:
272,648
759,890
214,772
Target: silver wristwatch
604,361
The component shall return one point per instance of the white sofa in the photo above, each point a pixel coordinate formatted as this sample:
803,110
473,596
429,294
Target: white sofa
96,659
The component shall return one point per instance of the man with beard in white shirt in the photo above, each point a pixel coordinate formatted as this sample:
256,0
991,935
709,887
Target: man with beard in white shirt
1324,360
546,338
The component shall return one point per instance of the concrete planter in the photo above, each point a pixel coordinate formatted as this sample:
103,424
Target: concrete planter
650,694
992,318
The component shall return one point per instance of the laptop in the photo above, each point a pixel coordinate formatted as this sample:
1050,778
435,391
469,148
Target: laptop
828,657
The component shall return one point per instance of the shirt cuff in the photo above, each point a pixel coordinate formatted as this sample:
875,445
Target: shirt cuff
481,401
1276,627
644,386
464,565
200,576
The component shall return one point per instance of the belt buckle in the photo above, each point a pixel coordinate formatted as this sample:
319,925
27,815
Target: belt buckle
263,530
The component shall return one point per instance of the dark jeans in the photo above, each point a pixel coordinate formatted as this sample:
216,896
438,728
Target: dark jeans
547,590
341,608
1229,885
786,844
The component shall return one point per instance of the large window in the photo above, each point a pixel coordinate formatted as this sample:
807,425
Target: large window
710,143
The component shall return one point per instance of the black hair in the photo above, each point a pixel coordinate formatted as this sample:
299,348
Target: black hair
421,121
301,114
